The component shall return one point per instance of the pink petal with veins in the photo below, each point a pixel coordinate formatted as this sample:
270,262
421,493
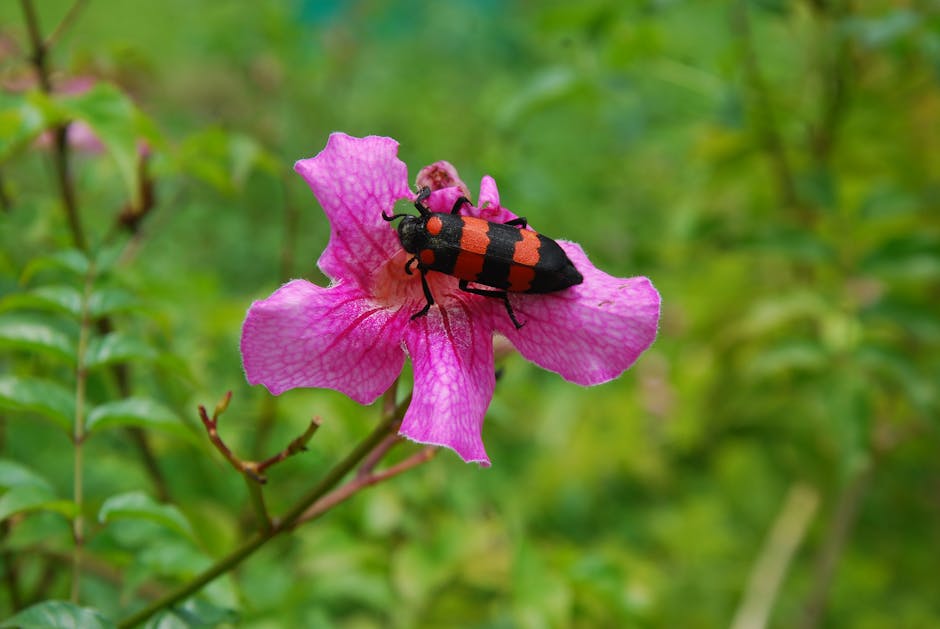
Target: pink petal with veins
307,336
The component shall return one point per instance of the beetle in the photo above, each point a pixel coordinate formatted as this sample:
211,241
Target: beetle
505,257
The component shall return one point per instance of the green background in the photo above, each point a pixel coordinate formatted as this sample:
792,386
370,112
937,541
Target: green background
772,165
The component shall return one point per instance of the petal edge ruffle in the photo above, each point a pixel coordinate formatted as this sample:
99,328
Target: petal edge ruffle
308,336
589,333
355,180
452,355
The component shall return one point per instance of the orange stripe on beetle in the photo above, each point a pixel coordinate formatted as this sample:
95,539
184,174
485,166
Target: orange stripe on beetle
527,249
468,266
520,278
473,236
427,257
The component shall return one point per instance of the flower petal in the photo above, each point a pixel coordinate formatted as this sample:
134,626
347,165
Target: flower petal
440,175
307,336
589,333
443,200
355,180
489,207
489,194
452,354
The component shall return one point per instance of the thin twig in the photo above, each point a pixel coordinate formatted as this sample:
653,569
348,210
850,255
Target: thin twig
836,70
131,217
377,455
212,429
11,571
296,446
6,203
45,582
837,535
361,481
389,400
766,122
258,505
785,536
78,437
60,155
39,49
252,469
65,23
286,523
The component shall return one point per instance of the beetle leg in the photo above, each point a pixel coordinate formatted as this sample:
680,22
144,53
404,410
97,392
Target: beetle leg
410,263
427,295
497,294
459,204
423,195
518,222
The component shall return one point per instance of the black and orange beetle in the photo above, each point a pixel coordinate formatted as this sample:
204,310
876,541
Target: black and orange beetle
502,256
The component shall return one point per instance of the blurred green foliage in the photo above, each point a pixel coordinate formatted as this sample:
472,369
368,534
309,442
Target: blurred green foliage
772,165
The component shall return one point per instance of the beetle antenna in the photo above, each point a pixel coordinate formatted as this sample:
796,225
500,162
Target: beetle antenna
393,216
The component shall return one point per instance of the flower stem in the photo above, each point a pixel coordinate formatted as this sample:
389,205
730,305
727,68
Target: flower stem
78,437
786,534
66,22
834,541
766,126
285,523
363,480
60,132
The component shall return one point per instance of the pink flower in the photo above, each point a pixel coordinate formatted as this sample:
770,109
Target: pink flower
353,336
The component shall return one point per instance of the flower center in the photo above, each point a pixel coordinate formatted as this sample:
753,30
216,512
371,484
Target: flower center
394,288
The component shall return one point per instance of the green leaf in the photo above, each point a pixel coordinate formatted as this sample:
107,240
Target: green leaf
164,555
793,244
193,613
538,91
22,118
779,7
223,159
38,396
14,474
23,498
914,257
894,369
137,505
916,318
58,615
780,312
247,155
36,334
107,257
142,412
106,301
118,124
116,347
72,261
885,29
787,357
63,298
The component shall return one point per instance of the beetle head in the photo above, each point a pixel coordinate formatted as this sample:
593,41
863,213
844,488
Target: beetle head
412,233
